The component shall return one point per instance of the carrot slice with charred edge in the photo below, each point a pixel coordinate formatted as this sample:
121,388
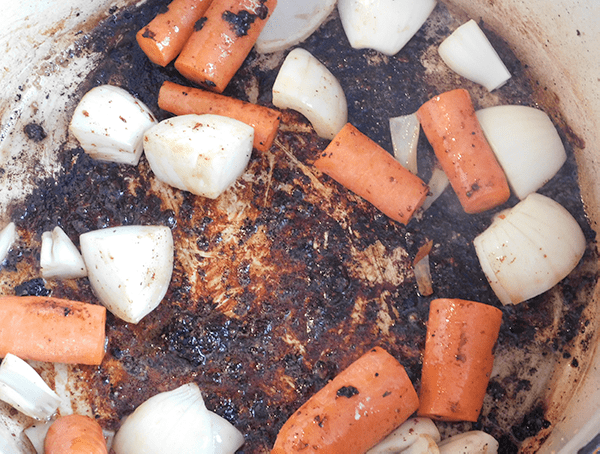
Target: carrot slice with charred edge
450,124
222,40
181,100
352,412
458,359
164,37
52,329
75,434
362,166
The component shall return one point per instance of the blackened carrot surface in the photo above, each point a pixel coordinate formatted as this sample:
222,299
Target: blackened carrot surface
458,358
164,37
352,412
362,166
220,44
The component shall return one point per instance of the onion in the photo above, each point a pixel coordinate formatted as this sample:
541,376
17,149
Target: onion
23,388
437,185
529,248
59,257
176,422
424,444
129,268
383,25
109,124
405,137
526,145
8,236
36,433
406,435
422,269
292,22
202,154
306,85
468,52
474,442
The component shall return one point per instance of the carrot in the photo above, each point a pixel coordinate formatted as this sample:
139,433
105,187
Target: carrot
164,37
362,166
352,412
75,434
458,359
181,100
51,329
220,44
450,124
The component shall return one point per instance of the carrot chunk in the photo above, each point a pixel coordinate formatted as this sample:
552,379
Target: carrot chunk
164,37
362,166
180,100
458,358
75,434
222,40
450,124
52,329
352,412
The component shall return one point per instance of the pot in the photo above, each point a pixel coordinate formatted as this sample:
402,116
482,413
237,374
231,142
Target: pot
48,56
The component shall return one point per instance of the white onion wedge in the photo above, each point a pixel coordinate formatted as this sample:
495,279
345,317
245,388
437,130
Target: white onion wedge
109,123
8,236
23,388
129,268
176,422
384,25
437,185
291,23
526,145
36,433
405,435
59,257
529,248
304,84
202,154
469,53
405,137
473,442
424,444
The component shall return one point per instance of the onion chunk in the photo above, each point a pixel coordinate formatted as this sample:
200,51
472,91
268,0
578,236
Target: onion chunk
110,124
129,268
202,154
8,235
384,25
468,52
525,143
59,257
529,249
473,442
304,84
405,436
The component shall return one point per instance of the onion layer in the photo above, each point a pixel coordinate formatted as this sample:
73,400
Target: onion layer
59,257
529,248
406,435
304,84
468,52
384,25
525,143
473,442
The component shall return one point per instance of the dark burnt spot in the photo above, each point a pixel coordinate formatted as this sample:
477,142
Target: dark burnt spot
149,34
209,83
200,24
387,393
262,12
241,22
35,132
67,311
33,287
347,391
531,424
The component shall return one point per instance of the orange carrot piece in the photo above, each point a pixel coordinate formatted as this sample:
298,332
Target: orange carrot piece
450,124
458,359
52,329
362,166
75,434
216,49
352,412
181,100
164,37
